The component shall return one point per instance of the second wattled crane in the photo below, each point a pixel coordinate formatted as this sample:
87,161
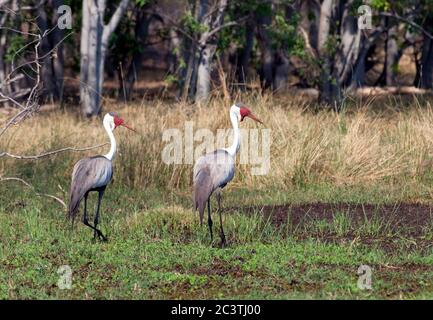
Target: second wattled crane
214,170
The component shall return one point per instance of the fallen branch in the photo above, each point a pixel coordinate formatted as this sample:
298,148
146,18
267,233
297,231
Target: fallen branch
33,188
50,153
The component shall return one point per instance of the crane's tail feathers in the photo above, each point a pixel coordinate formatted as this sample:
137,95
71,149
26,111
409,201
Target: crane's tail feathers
198,205
201,207
202,192
74,206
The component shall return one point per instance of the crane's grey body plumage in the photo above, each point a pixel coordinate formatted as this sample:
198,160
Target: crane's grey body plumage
94,174
89,174
211,172
214,170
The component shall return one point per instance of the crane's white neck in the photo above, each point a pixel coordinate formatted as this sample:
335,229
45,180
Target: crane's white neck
110,155
233,149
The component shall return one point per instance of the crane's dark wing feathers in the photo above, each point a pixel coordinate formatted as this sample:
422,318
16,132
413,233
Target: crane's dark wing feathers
88,174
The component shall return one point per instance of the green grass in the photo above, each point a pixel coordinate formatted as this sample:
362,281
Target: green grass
157,249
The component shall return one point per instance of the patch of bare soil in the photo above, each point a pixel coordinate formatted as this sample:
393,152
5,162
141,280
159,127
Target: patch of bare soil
220,268
396,222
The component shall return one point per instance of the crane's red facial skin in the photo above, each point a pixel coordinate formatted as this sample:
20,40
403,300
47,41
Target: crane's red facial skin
120,122
117,122
245,112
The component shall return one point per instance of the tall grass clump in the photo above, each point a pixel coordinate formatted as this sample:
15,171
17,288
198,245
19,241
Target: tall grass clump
359,147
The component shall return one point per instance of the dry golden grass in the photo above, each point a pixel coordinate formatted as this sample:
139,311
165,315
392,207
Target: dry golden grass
358,147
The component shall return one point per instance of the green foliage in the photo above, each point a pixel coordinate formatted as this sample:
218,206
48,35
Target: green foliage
182,63
333,40
191,25
16,43
171,79
123,43
284,35
141,3
381,5
264,9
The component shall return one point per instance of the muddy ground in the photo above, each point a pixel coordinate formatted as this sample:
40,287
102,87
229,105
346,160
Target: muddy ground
410,221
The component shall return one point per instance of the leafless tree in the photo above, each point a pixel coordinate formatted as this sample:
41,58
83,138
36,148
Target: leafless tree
28,105
94,42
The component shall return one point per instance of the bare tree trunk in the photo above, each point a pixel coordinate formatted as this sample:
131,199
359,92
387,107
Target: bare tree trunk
47,76
96,58
245,56
281,63
187,74
267,54
389,72
22,81
208,45
324,25
175,52
58,59
94,42
360,66
84,57
392,57
281,73
52,66
350,45
3,43
310,12
329,88
357,76
2,62
195,59
203,72
141,31
426,65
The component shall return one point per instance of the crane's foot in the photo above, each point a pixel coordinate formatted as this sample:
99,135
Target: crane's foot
211,237
98,235
102,238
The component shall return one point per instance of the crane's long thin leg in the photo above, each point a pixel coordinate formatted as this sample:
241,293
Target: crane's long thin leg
96,220
222,235
209,220
85,221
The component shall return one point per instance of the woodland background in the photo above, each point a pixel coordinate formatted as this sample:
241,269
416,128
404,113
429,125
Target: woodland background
191,50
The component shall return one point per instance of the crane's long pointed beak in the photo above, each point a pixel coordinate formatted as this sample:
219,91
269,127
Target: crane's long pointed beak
128,127
252,116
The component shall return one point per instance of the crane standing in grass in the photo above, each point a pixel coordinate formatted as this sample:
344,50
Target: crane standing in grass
214,170
94,174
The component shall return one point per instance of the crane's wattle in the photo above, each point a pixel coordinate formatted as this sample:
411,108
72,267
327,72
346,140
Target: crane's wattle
118,122
244,112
